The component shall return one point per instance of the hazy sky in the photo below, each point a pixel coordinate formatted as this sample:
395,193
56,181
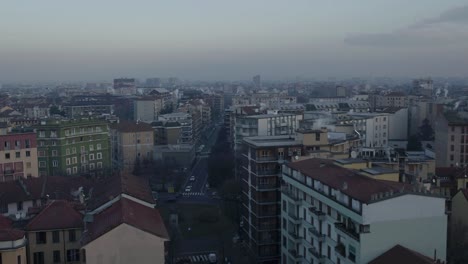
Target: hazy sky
228,40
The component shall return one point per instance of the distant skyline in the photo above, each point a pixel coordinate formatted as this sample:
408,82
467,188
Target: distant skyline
220,40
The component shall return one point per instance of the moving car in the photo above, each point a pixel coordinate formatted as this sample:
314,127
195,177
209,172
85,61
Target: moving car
188,188
192,178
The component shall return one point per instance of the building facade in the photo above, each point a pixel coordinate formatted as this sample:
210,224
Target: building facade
451,139
146,109
328,217
18,156
73,147
132,143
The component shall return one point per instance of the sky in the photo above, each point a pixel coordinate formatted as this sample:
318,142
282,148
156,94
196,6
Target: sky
231,40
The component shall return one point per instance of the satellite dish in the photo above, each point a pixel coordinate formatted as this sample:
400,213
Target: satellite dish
353,154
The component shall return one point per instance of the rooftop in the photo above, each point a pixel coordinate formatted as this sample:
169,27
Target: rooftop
57,214
349,161
402,255
267,116
127,212
131,127
359,187
377,170
272,141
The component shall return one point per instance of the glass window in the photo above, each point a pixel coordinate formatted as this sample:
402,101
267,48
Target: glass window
28,153
73,255
55,237
56,256
71,235
38,258
41,238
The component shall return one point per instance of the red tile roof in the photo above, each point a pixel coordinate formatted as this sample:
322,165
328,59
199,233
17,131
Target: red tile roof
11,234
114,186
5,222
129,212
131,127
401,255
56,215
359,187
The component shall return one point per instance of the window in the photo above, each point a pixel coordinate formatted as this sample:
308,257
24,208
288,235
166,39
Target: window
74,150
365,228
41,238
73,255
452,147
68,161
67,151
55,163
83,149
18,154
98,146
71,235
99,155
54,143
352,253
75,170
19,206
317,136
56,256
18,260
74,160
41,133
27,143
284,206
91,156
7,155
41,143
54,153
56,237
38,258
91,166
28,153
99,165
451,157
42,164
53,133
68,171
91,148
452,138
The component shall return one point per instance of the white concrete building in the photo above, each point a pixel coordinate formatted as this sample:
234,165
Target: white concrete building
373,128
265,125
146,109
333,215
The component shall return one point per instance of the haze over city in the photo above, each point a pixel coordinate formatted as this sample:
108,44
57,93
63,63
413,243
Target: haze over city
218,40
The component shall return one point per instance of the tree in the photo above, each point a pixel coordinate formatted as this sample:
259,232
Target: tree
414,144
425,130
169,108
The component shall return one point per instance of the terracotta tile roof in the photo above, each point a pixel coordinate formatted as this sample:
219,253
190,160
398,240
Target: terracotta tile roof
56,215
359,187
129,212
5,222
131,127
36,188
401,255
11,234
114,186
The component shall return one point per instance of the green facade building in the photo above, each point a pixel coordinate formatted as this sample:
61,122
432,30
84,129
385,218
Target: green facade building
73,147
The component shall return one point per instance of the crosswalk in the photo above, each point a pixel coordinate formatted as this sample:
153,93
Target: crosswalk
192,259
193,193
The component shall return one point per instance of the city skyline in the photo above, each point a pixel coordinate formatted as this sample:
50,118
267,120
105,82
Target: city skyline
231,41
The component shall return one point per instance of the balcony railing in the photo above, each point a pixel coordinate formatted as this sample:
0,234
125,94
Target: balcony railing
290,195
320,215
320,237
295,255
267,172
351,233
268,158
267,226
296,220
341,250
267,186
266,200
317,254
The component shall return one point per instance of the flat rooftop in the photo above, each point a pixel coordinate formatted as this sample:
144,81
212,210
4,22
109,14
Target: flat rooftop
376,170
349,161
272,141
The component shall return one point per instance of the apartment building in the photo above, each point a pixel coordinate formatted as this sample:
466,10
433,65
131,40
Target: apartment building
12,243
18,156
54,234
260,181
331,214
147,108
373,128
131,142
186,127
451,139
73,147
392,99
265,125
125,86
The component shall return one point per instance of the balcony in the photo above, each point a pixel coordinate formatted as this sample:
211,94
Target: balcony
267,173
294,237
319,214
307,224
267,187
340,250
266,159
267,226
319,257
295,199
341,228
267,241
320,237
294,219
266,200
293,253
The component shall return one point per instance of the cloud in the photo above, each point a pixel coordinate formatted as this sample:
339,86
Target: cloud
449,28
